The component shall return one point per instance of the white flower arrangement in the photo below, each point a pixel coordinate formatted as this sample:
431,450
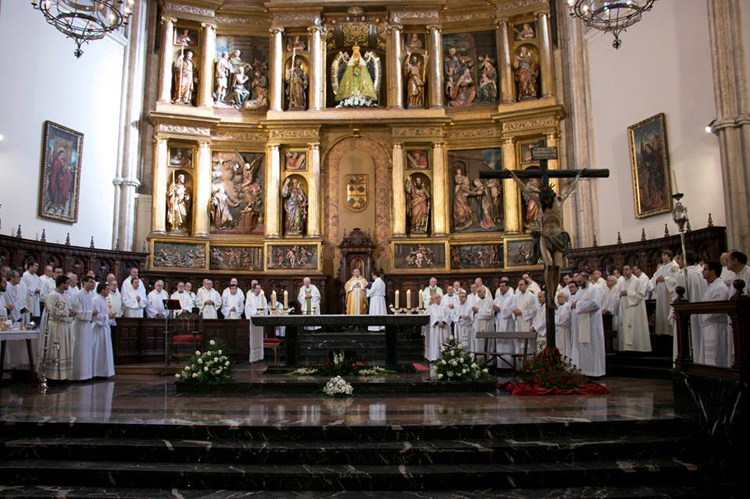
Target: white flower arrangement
375,371
456,365
304,371
338,387
207,368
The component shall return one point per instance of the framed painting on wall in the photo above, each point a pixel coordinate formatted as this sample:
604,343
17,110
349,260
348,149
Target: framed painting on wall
519,252
419,255
61,173
649,162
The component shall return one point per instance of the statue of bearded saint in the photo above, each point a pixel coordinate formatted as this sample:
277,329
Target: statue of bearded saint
418,204
295,207
185,78
178,204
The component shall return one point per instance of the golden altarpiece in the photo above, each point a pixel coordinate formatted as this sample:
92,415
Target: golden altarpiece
281,125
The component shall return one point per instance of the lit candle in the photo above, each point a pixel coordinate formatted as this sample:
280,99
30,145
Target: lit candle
408,298
286,299
396,299
419,299
273,299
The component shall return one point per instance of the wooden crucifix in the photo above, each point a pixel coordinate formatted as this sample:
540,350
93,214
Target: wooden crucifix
551,241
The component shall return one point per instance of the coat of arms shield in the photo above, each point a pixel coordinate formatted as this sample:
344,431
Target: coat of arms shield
356,192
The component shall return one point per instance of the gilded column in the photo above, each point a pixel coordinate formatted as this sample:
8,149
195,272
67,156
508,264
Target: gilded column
396,88
435,74
277,69
317,72
398,207
313,192
206,76
202,197
548,79
165,85
273,185
505,63
439,189
159,200
510,191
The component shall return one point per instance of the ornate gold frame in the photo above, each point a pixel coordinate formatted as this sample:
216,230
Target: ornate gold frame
661,119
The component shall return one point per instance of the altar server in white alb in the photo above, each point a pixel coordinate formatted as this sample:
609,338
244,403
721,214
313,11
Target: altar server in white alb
134,299
633,334
484,319
695,286
132,274
208,300
15,295
57,320
83,343
505,321
738,265
232,301
187,302
35,290
464,320
664,282
717,345
102,359
611,301
376,294
48,281
156,308
114,300
539,323
256,304
563,339
437,331
588,329
429,292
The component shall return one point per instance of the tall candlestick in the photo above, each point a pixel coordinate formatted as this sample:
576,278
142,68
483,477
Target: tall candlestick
419,299
674,181
286,299
408,298
396,299
273,299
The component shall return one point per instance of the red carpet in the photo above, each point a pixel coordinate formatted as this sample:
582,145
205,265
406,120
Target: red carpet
523,388
421,367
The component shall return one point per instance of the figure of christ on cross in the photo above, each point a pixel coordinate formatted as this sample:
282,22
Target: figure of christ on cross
551,241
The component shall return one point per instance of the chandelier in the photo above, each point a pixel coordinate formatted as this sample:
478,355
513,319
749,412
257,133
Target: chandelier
85,20
613,16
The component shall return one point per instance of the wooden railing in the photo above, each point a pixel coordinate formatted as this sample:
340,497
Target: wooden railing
738,310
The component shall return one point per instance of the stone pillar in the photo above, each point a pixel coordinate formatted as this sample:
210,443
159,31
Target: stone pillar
435,73
396,76
732,125
439,189
165,82
317,68
159,209
398,207
313,190
202,197
277,69
273,186
206,76
510,190
545,56
505,63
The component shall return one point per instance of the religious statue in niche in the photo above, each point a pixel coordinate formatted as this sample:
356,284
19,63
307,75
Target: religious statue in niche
295,205
470,78
185,78
223,70
477,203
178,203
356,80
418,201
240,84
295,161
237,198
526,67
523,32
487,92
296,84
459,83
414,71
418,159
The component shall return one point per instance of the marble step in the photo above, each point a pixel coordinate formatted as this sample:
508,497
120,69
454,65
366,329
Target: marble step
635,472
504,451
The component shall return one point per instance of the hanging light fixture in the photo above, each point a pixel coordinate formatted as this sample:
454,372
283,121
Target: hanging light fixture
85,20
613,16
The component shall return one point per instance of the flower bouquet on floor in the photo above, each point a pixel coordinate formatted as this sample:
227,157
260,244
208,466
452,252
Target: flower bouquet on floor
212,367
551,373
340,365
456,365
337,387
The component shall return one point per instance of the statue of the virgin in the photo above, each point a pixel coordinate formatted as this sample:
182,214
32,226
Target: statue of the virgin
356,79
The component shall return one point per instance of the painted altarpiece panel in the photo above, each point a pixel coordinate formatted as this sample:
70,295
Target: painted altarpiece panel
178,255
477,256
470,69
419,255
476,205
237,193
244,75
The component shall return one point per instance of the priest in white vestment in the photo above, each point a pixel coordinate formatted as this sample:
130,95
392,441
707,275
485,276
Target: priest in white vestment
73,288
717,346
376,293
505,321
103,363
611,301
526,305
450,303
588,329
35,290
83,343
256,304
664,284
472,297
563,338
437,331
539,322
738,265
57,317
464,320
618,276
727,275
232,301
134,299
309,299
187,302
695,287
15,294
127,283
114,300
208,300
633,334
478,283
484,320
156,308
48,281
430,291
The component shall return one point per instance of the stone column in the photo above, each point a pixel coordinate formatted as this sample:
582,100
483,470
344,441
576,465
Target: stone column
277,69
317,68
732,125
273,185
396,88
206,76
165,82
202,196
159,209
510,190
505,63
313,190
439,189
398,207
435,73
545,56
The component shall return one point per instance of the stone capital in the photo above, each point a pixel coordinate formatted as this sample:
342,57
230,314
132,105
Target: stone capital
434,27
275,31
313,29
208,26
314,145
168,19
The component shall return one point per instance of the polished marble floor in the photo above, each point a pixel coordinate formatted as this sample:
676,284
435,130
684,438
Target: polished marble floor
151,399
